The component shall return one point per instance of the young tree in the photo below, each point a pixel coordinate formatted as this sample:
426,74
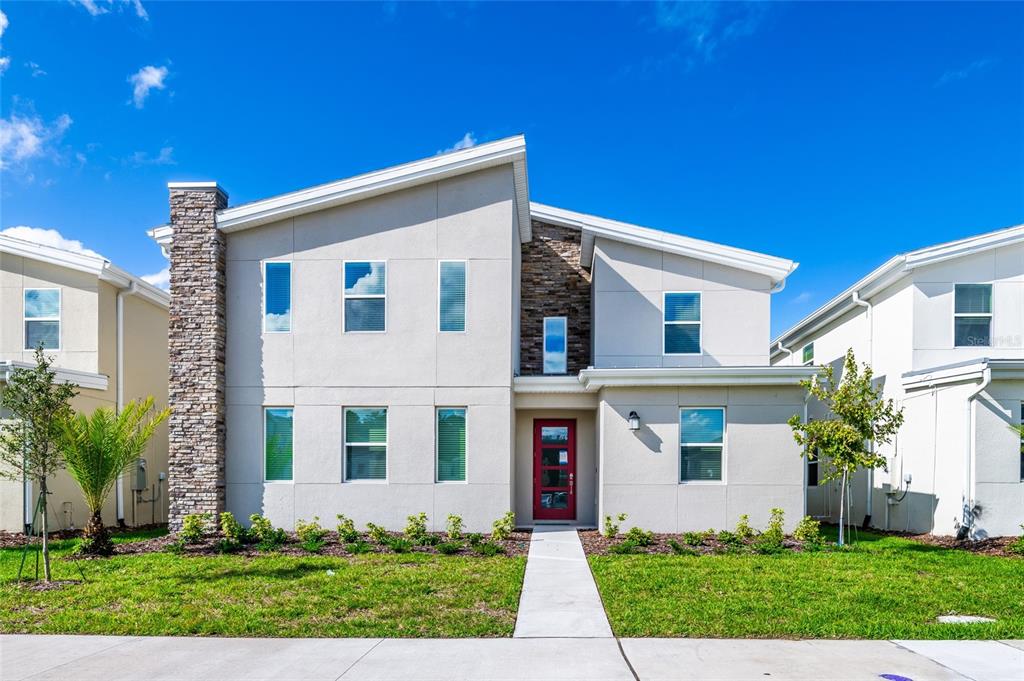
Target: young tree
99,448
859,419
28,442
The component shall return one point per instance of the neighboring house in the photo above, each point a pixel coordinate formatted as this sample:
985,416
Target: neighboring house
107,333
943,329
424,338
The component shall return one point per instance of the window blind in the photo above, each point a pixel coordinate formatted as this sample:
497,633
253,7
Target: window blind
452,292
278,443
366,435
277,297
451,445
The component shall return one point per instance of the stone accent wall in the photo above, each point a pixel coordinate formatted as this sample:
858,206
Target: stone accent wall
196,341
554,284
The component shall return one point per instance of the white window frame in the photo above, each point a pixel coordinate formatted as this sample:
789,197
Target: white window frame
263,302
26,318
544,346
723,444
700,325
811,360
263,473
346,296
990,315
465,312
345,444
437,447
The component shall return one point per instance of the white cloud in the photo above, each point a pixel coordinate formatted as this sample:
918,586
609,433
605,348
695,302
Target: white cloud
4,63
35,68
48,237
4,23
148,78
803,297
974,67
708,26
468,140
141,158
278,322
23,138
161,279
370,283
98,7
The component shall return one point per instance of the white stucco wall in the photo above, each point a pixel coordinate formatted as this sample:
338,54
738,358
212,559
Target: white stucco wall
411,368
628,286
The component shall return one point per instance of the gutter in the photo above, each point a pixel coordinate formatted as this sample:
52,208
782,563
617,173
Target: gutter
969,454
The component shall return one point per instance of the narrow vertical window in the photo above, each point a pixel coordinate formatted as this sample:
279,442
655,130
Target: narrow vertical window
42,318
451,444
366,444
277,443
701,441
277,297
812,472
555,353
972,315
682,324
365,296
808,353
452,295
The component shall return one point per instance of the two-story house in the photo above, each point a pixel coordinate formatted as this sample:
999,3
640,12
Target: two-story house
424,338
943,329
106,331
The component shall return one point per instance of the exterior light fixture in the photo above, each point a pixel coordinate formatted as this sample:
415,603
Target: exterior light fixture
634,421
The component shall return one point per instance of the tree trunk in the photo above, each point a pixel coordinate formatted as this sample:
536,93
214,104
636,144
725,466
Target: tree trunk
842,507
95,537
46,529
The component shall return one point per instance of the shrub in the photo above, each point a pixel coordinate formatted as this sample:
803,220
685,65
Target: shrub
808,531
378,534
226,546
693,538
611,526
358,546
454,527
743,528
175,547
430,540
416,527
680,549
232,529
770,541
623,547
311,531
729,538
503,527
488,548
449,547
640,536
1017,546
193,527
265,534
347,531
399,544
474,538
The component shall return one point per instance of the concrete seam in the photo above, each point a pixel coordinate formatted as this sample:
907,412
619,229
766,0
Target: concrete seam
626,659
927,657
360,658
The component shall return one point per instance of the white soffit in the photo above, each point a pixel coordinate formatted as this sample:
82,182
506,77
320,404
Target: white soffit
594,379
591,226
511,150
91,264
83,379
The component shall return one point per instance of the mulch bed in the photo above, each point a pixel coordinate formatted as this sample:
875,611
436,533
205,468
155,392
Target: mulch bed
596,544
991,546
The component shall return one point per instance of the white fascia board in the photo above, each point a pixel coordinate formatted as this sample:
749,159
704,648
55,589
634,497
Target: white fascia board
971,370
511,150
777,269
969,246
80,262
548,384
83,379
696,376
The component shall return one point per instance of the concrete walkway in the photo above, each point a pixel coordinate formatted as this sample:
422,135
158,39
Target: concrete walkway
129,658
559,598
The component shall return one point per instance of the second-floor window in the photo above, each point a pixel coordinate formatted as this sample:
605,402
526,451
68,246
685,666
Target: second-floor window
42,318
808,354
972,315
365,296
555,352
682,331
277,297
451,304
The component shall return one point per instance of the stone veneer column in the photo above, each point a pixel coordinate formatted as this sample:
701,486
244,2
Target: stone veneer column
196,342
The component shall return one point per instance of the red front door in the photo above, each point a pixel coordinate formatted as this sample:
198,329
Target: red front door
554,469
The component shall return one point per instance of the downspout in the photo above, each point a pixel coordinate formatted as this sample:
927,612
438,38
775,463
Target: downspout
968,495
870,313
119,387
783,348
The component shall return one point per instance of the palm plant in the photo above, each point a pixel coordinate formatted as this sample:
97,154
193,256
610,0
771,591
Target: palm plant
97,449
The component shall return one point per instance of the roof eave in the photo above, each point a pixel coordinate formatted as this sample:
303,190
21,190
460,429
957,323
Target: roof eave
594,379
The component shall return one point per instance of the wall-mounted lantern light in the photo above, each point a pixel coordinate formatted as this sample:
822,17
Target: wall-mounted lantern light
634,421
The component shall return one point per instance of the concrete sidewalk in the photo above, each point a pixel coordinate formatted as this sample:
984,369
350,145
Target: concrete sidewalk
559,597
111,658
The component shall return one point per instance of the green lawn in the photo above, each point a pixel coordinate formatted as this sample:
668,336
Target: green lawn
411,595
885,587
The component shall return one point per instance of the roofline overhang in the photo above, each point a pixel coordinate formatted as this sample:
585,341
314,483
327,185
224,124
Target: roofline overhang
83,379
592,227
971,370
548,385
595,379
95,265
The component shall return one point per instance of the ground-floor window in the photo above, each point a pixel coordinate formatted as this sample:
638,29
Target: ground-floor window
701,443
451,444
277,444
366,443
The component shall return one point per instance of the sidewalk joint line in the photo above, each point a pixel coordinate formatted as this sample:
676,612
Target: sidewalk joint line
625,658
360,658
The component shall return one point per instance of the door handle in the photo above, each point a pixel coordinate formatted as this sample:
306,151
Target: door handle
570,483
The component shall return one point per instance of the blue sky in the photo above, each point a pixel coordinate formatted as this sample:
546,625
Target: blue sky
833,134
